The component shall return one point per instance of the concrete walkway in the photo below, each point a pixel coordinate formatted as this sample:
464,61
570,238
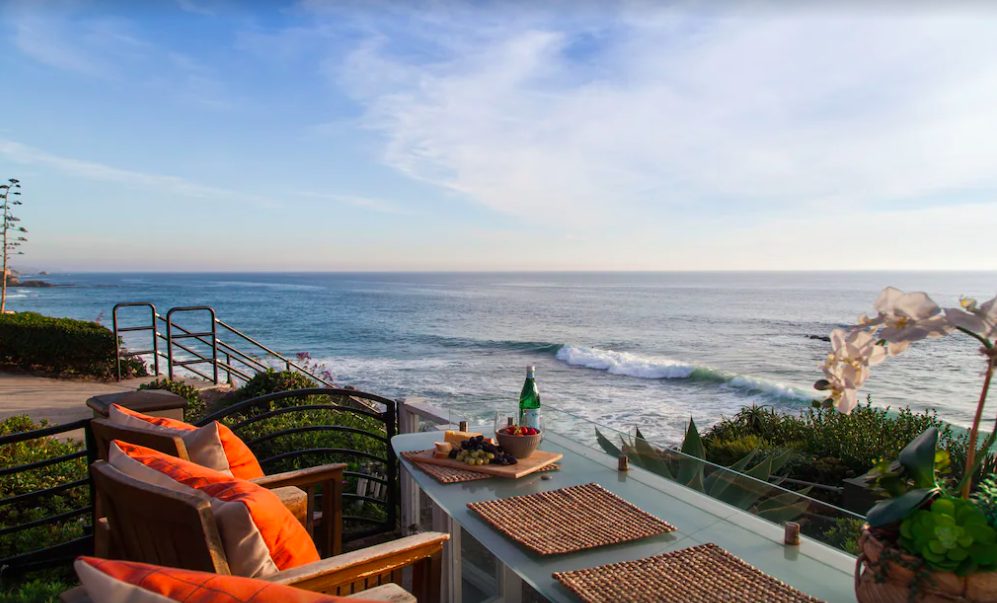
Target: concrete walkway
58,400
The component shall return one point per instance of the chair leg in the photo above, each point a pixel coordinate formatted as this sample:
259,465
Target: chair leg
426,577
331,528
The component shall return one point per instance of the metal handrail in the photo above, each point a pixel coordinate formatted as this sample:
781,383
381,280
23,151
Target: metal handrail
174,332
288,364
150,327
213,333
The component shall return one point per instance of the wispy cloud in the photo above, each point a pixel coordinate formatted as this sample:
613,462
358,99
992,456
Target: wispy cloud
89,170
86,42
631,109
369,203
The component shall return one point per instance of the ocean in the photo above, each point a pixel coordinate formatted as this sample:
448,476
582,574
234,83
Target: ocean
621,349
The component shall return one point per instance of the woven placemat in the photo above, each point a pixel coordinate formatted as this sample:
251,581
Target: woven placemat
699,574
569,519
445,475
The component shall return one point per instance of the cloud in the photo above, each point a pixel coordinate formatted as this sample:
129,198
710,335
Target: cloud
369,203
47,37
89,170
619,112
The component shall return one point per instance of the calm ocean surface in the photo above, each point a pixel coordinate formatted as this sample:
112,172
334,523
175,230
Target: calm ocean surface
651,349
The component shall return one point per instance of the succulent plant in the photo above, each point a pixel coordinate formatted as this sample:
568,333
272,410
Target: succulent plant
986,499
953,535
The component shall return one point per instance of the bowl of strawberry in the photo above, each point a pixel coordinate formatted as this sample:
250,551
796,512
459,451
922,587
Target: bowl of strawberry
518,440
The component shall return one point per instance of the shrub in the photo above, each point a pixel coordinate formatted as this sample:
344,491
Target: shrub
844,534
24,482
845,445
35,591
62,346
196,406
271,382
728,452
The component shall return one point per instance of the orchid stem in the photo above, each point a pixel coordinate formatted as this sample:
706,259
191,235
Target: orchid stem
967,478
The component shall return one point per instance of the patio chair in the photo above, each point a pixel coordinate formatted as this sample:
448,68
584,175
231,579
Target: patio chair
297,489
152,524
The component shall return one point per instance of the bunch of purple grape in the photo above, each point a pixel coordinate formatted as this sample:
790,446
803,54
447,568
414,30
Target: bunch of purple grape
480,448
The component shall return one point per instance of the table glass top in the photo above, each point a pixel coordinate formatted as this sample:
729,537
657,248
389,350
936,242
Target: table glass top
811,567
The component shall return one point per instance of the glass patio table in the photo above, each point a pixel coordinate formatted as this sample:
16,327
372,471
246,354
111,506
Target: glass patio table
812,567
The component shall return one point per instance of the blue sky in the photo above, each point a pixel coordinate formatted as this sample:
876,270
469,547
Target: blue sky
196,135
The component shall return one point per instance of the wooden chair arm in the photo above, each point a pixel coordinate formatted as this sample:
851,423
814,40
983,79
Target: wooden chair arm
303,477
388,593
358,570
329,534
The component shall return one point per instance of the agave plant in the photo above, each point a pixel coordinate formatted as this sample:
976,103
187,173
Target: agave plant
745,484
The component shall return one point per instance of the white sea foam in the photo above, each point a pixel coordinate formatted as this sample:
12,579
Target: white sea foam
625,363
771,388
652,367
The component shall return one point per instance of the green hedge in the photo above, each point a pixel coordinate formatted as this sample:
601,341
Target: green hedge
62,346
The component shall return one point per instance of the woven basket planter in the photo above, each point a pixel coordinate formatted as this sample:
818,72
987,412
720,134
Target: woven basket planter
884,574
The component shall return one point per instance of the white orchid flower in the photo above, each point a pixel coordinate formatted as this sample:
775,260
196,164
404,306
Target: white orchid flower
980,319
843,381
907,317
847,366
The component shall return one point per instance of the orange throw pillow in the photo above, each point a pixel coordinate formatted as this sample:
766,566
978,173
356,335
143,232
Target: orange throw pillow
118,581
259,534
215,446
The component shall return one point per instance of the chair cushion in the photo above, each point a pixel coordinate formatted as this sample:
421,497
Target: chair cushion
259,535
130,582
215,446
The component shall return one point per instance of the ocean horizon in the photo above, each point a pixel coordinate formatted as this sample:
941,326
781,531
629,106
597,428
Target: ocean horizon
620,348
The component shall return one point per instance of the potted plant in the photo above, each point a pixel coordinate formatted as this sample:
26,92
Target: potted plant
929,539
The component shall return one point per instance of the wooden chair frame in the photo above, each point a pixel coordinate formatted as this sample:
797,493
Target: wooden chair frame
325,524
152,524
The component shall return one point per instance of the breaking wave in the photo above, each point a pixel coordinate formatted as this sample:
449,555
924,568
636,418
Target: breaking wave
655,367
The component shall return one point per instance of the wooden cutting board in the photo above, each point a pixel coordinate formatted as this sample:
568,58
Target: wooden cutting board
539,458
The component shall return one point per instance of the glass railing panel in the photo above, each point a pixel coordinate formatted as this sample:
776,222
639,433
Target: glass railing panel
755,484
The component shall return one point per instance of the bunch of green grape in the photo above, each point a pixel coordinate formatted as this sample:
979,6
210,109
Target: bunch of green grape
475,457
479,451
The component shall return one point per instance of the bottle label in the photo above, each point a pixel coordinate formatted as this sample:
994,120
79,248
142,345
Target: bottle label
530,417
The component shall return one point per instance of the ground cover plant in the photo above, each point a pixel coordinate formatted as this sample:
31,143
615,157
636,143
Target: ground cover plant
61,346
826,446
196,409
44,584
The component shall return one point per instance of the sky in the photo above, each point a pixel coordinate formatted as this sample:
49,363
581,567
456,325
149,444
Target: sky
202,135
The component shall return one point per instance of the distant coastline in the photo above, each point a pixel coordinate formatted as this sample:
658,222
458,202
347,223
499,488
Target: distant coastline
14,280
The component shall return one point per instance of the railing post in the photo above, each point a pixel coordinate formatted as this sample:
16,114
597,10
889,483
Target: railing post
228,368
214,344
410,501
117,344
169,344
155,339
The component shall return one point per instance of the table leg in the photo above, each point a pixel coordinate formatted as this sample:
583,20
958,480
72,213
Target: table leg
451,555
512,585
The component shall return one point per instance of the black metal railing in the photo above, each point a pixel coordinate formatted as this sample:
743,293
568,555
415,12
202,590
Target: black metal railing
46,513
192,350
310,427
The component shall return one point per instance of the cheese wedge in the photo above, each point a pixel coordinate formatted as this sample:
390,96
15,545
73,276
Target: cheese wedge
456,437
442,449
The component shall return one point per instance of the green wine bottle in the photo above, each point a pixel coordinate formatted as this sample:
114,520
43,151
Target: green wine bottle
529,401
